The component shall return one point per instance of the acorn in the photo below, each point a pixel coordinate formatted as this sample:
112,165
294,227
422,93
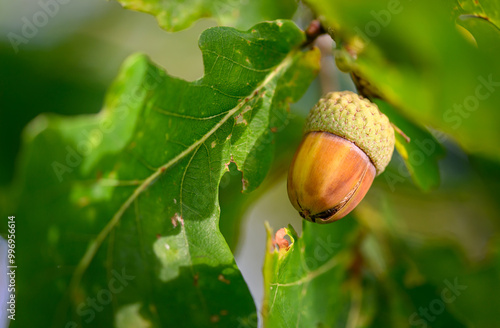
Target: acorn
347,142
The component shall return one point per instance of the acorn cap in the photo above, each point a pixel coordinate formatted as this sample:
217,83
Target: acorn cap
350,116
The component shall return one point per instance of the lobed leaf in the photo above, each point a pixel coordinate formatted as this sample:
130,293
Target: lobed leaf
118,212
180,14
304,286
485,10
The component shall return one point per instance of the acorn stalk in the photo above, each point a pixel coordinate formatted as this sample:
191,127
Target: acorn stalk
347,142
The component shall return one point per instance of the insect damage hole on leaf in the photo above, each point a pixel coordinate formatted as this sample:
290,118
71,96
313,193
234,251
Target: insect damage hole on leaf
223,279
176,219
282,240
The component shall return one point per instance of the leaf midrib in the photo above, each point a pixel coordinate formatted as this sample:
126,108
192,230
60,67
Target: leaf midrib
96,244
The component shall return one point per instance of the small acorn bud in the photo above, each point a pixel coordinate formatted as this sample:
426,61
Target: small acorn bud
347,142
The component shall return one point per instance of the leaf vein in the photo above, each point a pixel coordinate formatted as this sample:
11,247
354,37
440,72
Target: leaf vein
95,245
239,64
312,274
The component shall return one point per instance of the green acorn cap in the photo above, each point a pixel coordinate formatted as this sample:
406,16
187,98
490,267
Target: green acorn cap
352,117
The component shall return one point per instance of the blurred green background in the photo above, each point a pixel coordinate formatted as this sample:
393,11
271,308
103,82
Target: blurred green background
68,65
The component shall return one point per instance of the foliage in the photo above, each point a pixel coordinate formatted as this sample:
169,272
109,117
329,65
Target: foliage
118,212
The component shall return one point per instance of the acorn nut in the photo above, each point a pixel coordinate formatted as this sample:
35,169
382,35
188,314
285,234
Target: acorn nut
347,142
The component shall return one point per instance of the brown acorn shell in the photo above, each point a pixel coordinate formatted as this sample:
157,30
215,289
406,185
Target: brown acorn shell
328,177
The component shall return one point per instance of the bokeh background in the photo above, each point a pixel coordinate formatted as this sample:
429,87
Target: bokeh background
66,69
68,65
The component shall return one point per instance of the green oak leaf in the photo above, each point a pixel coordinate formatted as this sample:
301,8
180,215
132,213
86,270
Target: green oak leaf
117,213
413,53
420,153
469,286
344,275
489,11
304,286
179,14
485,34
234,204
482,20
378,272
415,258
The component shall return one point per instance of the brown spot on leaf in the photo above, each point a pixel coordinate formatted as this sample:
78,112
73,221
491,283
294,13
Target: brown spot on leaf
244,184
240,120
176,219
215,318
195,279
223,279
